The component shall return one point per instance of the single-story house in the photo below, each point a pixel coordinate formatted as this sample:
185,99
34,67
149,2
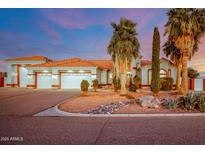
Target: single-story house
41,72
167,69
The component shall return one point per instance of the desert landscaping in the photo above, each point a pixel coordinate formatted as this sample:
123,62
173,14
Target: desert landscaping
110,102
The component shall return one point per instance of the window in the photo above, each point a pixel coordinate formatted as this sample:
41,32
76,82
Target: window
163,73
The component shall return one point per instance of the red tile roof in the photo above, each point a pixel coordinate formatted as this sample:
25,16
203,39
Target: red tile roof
103,64
145,63
149,62
76,62
32,58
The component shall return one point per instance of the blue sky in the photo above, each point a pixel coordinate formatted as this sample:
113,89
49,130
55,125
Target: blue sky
65,33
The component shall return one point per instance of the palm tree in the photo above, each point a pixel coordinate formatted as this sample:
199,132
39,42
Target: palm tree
185,27
170,50
123,47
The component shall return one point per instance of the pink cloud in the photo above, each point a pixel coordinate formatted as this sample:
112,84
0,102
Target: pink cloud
69,18
79,18
146,42
2,66
142,16
50,31
199,57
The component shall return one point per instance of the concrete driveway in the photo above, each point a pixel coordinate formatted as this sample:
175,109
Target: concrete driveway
16,101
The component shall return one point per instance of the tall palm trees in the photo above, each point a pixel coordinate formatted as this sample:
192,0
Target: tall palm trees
170,50
184,28
123,47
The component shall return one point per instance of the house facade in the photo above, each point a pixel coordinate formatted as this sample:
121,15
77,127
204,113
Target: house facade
43,73
167,69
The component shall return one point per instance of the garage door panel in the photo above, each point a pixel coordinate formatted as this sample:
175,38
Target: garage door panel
44,81
69,81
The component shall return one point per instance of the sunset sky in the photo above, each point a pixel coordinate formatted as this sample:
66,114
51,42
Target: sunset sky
84,33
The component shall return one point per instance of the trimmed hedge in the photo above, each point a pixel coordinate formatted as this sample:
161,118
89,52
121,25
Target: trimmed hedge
84,85
95,84
166,83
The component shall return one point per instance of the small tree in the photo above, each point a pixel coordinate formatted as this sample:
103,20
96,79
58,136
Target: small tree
84,87
95,84
192,73
155,83
137,77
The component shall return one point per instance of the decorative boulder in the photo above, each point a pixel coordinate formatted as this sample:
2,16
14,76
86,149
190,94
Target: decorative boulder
149,102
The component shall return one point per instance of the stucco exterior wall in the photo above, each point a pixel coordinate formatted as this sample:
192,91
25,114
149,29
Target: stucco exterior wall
163,65
12,71
99,75
103,76
110,77
144,78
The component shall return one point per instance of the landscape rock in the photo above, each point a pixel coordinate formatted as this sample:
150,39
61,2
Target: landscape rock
149,102
110,108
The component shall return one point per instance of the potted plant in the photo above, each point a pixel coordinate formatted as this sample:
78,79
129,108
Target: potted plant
84,87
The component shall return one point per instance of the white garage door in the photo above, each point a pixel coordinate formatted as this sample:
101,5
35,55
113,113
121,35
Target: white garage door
44,81
73,81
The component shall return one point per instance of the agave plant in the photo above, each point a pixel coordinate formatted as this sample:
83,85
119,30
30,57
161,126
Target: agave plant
190,101
201,102
172,104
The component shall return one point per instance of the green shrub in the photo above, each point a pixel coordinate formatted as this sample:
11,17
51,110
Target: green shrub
181,101
201,102
166,83
116,84
170,104
137,81
192,101
84,85
132,87
192,73
95,84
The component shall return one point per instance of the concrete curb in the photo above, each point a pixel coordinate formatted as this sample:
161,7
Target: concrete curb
63,113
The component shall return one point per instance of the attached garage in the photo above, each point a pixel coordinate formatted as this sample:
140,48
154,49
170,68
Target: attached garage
44,81
73,81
